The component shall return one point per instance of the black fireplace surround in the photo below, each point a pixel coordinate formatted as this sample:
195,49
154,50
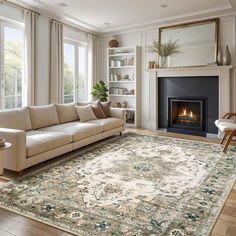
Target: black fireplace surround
188,105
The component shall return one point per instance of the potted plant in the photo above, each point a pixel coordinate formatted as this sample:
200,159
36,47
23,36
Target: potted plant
100,91
164,50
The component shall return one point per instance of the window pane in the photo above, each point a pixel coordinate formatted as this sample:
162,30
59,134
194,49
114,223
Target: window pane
82,74
69,72
13,67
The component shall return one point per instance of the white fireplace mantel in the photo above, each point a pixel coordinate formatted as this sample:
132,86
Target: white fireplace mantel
223,72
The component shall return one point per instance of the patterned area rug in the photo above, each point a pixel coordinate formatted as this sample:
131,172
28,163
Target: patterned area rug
129,185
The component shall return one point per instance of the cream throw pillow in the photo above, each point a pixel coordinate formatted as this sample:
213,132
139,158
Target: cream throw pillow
85,113
66,112
16,119
43,116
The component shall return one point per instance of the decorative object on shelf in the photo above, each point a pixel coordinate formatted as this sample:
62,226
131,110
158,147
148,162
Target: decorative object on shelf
113,43
100,91
220,57
124,104
118,105
127,93
123,62
125,77
132,91
156,66
2,142
227,57
118,91
164,50
151,64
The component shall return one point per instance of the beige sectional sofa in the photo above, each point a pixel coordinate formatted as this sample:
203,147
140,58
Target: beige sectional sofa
40,133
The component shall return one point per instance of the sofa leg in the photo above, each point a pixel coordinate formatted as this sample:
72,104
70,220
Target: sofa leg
20,173
120,133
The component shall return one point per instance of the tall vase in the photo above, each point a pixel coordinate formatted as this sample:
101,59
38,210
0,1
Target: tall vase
220,57
227,57
163,62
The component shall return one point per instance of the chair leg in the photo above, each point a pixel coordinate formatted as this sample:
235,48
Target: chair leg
120,133
223,139
232,134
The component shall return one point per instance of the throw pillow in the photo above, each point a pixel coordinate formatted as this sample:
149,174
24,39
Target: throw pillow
106,108
97,110
85,113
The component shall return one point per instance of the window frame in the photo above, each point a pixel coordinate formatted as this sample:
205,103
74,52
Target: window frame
76,45
18,26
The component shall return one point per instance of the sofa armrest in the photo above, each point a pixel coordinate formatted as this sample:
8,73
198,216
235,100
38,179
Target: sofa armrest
15,157
119,113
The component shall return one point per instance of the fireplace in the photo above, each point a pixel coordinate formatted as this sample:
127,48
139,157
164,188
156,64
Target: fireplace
187,115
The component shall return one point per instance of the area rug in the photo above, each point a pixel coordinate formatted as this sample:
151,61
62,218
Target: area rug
129,185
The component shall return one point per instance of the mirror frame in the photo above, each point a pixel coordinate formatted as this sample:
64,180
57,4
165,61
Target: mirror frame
196,23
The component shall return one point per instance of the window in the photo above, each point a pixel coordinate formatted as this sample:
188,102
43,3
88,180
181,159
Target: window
75,67
12,65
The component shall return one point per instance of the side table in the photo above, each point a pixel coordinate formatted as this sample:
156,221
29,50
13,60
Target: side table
2,148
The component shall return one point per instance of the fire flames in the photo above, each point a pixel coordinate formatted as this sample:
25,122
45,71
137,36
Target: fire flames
186,113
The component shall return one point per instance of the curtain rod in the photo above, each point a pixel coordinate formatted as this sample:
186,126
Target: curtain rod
18,5
73,27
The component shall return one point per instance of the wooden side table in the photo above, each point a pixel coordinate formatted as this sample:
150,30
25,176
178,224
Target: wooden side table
2,148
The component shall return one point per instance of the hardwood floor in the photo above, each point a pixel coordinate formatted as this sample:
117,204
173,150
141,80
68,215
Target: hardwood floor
15,224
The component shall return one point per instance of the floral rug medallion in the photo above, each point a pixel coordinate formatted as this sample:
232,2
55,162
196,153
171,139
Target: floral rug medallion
131,185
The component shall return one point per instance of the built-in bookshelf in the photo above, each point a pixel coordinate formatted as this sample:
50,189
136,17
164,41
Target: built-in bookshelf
123,74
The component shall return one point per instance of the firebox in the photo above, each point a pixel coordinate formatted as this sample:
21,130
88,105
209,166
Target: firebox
187,115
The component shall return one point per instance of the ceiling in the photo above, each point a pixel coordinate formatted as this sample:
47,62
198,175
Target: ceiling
105,16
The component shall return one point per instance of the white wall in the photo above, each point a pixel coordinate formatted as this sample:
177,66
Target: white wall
10,13
144,38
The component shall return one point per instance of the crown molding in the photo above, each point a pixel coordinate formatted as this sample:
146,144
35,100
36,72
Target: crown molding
170,19
154,26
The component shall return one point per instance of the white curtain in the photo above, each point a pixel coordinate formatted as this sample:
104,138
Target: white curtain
31,47
56,63
92,63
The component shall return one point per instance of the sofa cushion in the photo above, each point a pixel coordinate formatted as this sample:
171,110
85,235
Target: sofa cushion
106,107
43,116
226,126
78,130
108,123
66,112
16,119
41,141
97,110
85,113
217,122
